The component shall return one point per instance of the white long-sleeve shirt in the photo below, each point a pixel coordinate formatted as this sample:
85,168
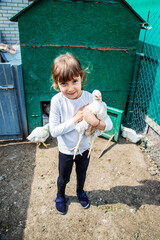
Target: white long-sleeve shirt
62,125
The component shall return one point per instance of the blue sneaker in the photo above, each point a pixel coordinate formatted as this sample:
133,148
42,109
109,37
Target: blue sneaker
83,200
61,205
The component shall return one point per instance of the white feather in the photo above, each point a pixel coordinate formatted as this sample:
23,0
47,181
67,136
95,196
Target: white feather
39,134
130,134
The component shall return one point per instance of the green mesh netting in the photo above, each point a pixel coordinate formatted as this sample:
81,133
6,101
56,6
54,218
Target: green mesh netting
143,114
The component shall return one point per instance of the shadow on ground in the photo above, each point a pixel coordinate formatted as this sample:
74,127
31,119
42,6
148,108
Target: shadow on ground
134,196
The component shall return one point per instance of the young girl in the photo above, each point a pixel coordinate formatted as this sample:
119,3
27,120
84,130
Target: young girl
67,109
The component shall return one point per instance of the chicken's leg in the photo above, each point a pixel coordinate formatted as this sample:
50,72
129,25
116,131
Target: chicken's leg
91,146
76,148
44,144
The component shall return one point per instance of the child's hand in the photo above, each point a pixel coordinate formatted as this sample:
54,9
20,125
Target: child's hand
92,120
90,117
79,115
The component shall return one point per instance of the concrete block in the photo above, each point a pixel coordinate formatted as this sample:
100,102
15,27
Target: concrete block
12,4
5,7
6,1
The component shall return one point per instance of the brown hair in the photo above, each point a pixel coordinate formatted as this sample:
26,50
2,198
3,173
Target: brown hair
65,68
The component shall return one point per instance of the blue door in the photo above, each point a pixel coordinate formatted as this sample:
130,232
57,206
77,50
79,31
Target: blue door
9,111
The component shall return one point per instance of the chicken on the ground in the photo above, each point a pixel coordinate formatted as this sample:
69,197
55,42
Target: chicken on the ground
39,135
130,135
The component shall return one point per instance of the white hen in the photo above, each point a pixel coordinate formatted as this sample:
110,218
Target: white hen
39,135
99,108
130,134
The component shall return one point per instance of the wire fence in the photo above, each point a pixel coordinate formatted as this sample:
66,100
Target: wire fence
143,114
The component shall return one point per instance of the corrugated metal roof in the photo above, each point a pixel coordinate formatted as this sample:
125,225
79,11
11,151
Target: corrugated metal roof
15,17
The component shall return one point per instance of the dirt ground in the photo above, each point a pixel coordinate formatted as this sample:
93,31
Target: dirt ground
123,187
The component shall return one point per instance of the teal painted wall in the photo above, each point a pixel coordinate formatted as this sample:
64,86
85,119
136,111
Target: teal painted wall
143,6
96,26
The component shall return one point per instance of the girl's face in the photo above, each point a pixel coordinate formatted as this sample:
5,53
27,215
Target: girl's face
71,89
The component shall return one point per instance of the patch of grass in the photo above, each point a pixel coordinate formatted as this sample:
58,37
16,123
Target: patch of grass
112,208
107,208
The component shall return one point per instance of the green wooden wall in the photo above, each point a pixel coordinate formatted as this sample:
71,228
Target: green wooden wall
143,6
103,35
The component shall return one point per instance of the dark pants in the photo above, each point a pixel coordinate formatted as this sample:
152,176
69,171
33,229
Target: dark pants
65,169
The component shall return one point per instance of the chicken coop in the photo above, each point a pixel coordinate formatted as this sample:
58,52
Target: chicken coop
102,34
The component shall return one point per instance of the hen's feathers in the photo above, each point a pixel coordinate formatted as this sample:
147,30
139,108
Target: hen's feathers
99,108
39,134
130,134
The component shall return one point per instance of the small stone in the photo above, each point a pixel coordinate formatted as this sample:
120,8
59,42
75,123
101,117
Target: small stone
104,221
136,235
20,223
132,210
24,186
